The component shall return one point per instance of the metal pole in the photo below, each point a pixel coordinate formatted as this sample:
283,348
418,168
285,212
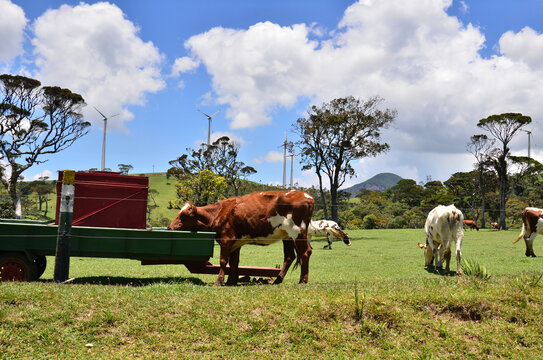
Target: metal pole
285,164
209,132
62,257
291,168
104,146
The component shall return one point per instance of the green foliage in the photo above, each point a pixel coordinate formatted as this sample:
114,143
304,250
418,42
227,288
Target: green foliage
369,222
473,268
124,169
220,157
202,189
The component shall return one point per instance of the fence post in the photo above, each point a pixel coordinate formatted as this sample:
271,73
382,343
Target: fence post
62,257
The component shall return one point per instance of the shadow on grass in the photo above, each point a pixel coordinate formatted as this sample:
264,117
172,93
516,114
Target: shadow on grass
441,272
136,282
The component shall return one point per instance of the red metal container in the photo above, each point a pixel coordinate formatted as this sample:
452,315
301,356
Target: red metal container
108,199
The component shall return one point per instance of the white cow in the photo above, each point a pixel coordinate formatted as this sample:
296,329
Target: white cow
328,229
444,225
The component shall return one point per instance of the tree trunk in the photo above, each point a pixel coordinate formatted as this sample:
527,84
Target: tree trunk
503,189
482,189
333,200
15,198
322,196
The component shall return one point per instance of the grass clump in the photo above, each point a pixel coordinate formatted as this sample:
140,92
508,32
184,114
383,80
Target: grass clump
473,268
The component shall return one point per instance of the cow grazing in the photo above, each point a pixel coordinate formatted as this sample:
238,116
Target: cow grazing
444,225
329,229
259,218
495,226
532,224
471,224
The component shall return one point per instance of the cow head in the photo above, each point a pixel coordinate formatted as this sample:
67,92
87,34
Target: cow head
340,234
186,219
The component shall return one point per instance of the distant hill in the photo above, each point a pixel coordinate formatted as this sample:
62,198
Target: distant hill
379,182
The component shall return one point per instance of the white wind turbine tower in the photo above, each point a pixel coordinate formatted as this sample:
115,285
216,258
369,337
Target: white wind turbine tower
529,133
209,125
290,146
104,140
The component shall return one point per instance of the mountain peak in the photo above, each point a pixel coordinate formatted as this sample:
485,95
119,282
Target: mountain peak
379,182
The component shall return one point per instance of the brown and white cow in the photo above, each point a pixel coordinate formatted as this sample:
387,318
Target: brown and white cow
329,229
532,224
495,225
472,224
259,218
444,225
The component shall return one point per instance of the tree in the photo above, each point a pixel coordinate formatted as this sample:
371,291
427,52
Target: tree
202,189
481,147
503,127
124,168
338,132
35,121
220,157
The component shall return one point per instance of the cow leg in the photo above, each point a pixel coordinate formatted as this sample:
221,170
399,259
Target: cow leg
447,259
329,242
530,245
289,256
225,255
304,253
459,257
234,268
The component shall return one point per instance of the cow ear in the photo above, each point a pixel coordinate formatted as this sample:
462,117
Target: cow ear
189,209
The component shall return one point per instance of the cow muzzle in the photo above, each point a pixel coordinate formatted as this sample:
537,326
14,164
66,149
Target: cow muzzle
346,240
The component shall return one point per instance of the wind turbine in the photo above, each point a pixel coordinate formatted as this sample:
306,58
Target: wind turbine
286,144
529,133
209,125
104,140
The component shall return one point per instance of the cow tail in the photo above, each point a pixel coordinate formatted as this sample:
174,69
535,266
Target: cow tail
522,232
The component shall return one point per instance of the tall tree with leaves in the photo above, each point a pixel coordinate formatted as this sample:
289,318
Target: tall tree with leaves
220,157
481,147
124,169
503,127
338,132
35,121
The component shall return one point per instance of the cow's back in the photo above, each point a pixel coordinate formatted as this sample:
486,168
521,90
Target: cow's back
265,215
444,223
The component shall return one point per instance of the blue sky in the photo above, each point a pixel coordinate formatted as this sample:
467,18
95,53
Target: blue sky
442,64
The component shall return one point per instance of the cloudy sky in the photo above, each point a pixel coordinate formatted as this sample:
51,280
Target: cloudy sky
442,64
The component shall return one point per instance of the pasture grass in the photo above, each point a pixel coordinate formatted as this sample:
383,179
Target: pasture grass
374,299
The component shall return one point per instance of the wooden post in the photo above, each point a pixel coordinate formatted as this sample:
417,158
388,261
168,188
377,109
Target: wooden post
62,258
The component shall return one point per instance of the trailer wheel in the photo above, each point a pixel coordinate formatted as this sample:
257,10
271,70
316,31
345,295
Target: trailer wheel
41,264
17,267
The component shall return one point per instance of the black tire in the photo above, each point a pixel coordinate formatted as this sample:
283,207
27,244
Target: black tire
41,264
17,267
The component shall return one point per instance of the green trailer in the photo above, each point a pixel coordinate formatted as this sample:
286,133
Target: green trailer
109,221
25,244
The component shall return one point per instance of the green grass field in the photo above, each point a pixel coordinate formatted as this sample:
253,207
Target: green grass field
371,300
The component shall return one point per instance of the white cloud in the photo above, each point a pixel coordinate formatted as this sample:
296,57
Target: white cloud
95,50
526,45
271,157
184,64
423,62
12,24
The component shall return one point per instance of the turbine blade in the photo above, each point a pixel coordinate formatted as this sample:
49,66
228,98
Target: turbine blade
100,112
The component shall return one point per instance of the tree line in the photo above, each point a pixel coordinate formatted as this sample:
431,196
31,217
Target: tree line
36,121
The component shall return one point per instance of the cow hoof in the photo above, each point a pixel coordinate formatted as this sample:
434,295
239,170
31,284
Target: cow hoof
278,281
